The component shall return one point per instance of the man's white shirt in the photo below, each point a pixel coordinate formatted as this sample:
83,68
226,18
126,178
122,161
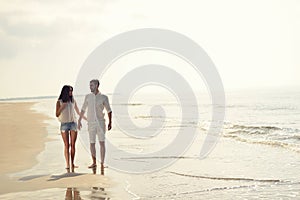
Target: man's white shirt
95,105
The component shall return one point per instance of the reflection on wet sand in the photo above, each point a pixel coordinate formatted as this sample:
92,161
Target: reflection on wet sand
96,193
72,193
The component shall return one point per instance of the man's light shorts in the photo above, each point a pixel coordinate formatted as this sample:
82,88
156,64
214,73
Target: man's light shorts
98,129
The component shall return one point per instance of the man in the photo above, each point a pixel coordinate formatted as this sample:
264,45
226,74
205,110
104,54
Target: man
95,102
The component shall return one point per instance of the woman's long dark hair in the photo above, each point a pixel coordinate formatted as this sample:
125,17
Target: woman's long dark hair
64,95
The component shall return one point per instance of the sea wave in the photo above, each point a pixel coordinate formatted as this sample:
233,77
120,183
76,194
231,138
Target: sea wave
266,135
292,147
227,178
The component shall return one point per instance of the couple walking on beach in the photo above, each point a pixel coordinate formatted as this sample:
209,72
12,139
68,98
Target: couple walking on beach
94,103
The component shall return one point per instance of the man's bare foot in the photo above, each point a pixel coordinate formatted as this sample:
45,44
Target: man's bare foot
102,169
92,165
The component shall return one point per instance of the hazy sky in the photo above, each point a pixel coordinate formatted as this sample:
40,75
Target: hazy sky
253,43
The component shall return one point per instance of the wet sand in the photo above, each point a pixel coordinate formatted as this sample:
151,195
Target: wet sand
23,137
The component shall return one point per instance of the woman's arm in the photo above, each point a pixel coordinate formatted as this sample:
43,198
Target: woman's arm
59,108
77,111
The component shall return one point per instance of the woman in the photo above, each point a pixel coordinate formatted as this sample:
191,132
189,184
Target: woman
65,111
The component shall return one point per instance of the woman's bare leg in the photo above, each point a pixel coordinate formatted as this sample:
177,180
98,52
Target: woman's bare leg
73,142
65,136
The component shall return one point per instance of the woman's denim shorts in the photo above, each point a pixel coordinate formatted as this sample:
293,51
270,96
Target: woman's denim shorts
69,126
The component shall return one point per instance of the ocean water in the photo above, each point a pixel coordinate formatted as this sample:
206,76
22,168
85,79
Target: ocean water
257,154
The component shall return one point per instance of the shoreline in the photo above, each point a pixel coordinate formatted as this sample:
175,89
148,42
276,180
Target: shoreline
24,139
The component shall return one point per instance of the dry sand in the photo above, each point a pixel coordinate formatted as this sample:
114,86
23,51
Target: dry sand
23,134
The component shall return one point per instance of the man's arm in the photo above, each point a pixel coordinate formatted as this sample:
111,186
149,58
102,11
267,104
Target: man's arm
109,120
108,110
77,111
81,115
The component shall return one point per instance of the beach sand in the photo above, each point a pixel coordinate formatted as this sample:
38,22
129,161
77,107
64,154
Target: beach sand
23,137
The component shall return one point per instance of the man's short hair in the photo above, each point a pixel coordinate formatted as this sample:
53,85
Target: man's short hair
95,81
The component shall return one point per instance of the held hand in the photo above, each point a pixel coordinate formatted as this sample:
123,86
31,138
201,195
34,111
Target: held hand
109,126
79,125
